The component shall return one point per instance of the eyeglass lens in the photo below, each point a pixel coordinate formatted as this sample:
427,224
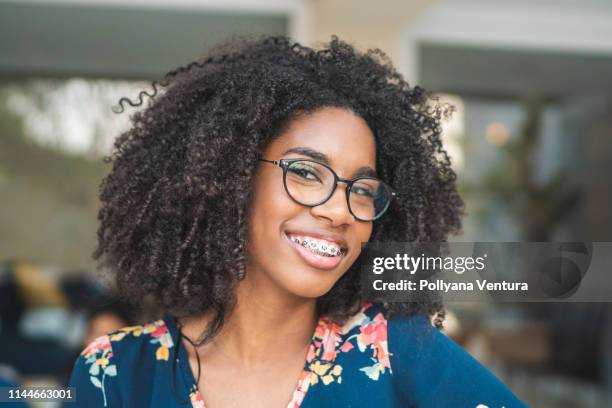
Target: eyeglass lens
311,183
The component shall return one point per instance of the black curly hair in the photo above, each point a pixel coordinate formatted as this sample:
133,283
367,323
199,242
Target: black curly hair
173,219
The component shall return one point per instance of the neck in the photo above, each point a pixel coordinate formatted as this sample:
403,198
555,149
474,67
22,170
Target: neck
265,324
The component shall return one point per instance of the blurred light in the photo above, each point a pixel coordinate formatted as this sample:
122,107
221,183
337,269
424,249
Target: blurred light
497,133
72,115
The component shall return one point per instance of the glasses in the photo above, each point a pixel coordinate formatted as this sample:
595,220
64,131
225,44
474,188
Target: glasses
311,183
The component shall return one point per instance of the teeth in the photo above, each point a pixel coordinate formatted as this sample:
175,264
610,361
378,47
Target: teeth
318,246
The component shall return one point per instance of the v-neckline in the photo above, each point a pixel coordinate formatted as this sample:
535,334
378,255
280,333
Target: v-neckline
303,383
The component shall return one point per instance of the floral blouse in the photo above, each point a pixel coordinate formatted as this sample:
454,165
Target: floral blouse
368,362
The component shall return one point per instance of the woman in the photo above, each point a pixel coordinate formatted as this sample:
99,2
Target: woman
238,202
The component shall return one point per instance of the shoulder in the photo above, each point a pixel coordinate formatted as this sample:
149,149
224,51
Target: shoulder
150,342
153,337
433,370
118,355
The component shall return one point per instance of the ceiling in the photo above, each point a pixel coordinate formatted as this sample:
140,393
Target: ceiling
512,72
71,39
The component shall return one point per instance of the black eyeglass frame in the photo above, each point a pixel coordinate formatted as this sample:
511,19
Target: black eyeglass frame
285,163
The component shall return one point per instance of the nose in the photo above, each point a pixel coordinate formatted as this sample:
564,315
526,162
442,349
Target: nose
335,208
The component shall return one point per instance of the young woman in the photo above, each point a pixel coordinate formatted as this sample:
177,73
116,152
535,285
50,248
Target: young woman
239,201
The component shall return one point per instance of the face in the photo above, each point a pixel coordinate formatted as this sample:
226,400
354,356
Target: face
280,228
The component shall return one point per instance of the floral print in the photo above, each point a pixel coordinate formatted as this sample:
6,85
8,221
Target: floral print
98,354
330,339
346,365
99,351
195,397
372,336
157,330
360,334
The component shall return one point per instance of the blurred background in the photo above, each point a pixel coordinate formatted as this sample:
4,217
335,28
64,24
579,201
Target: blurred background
531,141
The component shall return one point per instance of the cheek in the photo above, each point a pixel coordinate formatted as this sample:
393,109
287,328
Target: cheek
269,200
363,232
270,207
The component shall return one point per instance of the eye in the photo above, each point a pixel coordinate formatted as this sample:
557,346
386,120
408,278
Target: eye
365,188
304,171
366,192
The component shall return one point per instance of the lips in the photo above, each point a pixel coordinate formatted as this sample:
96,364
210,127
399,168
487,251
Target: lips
318,248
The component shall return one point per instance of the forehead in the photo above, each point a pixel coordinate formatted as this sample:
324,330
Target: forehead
344,137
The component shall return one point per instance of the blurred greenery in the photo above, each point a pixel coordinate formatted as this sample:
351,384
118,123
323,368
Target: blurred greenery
511,184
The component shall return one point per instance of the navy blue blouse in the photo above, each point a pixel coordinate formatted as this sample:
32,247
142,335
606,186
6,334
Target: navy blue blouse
368,362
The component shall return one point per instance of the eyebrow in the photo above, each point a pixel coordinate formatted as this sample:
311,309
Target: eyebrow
364,171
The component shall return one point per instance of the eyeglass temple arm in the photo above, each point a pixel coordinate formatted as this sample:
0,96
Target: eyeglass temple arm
270,161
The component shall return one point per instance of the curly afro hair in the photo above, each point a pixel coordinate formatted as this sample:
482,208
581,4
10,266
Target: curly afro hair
173,216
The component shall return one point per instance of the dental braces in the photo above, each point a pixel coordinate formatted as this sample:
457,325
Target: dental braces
319,247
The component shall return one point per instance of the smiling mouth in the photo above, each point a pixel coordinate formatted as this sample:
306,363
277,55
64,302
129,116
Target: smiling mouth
318,246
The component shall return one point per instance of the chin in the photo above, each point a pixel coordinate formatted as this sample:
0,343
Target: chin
312,294
309,286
